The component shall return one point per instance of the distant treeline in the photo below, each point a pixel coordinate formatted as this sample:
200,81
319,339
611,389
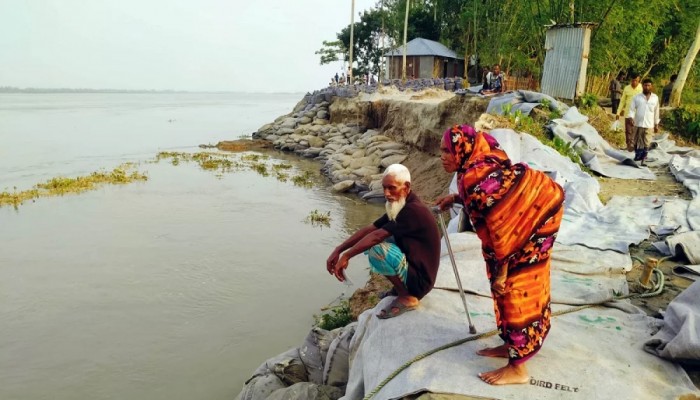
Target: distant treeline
11,89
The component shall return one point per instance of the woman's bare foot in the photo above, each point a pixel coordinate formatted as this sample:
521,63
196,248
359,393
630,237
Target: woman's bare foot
499,351
510,374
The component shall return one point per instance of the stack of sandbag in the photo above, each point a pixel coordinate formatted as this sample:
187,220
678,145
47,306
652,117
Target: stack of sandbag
317,370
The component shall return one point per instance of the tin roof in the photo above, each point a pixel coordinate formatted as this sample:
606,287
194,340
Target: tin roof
423,47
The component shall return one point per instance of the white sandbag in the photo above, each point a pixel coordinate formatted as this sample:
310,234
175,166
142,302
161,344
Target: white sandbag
337,367
314,350
260,387
288,367
307,391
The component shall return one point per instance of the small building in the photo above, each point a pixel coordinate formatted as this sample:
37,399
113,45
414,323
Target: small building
424,59
566,62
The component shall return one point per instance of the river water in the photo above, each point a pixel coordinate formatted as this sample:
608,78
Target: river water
173,288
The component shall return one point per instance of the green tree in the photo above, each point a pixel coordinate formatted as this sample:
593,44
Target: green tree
367,51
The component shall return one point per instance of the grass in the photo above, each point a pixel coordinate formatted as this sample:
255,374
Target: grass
335,317
59,186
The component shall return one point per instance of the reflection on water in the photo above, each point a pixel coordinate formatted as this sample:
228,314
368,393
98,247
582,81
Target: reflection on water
174,288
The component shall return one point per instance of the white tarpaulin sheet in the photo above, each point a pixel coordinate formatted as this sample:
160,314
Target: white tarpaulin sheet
579,275
598,154
523,101
679,338
591,354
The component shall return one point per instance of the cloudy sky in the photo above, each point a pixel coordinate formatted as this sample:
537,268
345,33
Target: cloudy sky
232,45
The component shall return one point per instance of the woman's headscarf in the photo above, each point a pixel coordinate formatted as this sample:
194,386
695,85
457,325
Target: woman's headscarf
466,144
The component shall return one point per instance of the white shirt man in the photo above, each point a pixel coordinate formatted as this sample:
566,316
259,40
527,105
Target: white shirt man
644,110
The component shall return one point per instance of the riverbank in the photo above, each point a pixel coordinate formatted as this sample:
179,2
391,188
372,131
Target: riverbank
354,138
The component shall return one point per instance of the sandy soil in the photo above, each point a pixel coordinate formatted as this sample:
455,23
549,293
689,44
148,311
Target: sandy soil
391,93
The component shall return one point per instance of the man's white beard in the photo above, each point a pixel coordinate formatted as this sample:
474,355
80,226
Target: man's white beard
393,208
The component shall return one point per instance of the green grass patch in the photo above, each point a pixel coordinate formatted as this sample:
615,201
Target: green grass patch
335,317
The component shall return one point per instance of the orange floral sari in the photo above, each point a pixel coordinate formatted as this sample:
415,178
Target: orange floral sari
516,212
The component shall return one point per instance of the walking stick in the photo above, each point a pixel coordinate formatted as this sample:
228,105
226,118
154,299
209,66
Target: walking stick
436,210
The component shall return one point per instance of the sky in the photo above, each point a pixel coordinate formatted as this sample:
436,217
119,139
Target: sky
193,45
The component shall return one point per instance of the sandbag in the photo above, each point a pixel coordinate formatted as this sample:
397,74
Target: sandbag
314,350
337,367
260,387
307,391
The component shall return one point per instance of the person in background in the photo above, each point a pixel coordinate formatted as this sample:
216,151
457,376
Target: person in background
495,81
644,111
616,92
631,90
336,79
666,92
516,212
403,244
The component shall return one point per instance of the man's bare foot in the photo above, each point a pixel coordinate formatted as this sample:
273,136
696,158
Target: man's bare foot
510,374
499,351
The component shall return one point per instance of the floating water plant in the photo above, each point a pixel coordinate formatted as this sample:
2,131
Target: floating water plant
316,217
208,161
260,168
278,167
281,176
303,180
226,162
61,185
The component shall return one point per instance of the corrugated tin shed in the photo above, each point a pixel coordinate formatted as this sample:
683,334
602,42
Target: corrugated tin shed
566,62
423,47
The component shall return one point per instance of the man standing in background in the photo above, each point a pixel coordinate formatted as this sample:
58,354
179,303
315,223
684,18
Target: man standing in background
644,110
631,90
666,92
616,92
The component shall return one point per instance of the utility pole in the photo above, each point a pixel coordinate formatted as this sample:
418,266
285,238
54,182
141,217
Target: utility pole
352,29
405,30
380,78
571,10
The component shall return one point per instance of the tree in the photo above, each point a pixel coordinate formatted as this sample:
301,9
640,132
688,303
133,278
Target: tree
331,51
685,69
367,49
651,37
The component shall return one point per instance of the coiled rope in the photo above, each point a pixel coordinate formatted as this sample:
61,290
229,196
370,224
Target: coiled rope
656,289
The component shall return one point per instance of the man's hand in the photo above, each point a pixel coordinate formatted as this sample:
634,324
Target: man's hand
656,129
339,267
332,261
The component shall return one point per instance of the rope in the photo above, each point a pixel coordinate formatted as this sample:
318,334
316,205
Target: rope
657,288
